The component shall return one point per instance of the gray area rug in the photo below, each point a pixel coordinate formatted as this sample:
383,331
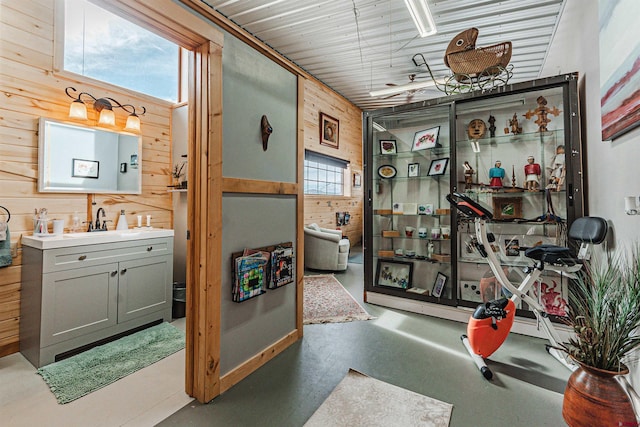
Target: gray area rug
327,301
359,400
88,371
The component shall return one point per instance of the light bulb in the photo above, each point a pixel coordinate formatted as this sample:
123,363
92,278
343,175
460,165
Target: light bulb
133,123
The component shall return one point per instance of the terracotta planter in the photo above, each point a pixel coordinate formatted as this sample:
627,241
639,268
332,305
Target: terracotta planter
594,397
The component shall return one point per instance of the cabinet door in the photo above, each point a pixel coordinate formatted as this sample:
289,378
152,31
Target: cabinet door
410,222
78,302
144,287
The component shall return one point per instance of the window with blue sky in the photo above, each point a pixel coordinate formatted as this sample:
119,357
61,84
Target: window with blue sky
103,46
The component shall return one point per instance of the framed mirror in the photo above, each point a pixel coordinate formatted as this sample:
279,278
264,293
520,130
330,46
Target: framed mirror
82,159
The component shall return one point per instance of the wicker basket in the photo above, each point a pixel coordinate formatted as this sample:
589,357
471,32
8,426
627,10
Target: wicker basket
488,60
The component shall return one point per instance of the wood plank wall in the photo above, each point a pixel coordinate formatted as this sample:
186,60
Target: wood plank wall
30,90
320,209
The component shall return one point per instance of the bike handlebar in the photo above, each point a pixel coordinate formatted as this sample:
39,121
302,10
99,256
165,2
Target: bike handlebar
468,206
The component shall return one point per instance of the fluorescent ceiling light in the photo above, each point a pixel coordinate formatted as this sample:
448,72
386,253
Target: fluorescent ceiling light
394,90
379,127
419,10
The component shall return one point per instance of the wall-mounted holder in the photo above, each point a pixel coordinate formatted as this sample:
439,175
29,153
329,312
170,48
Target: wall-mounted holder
631,205
267,130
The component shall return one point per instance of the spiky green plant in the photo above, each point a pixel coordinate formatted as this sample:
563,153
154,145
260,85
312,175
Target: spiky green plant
604,311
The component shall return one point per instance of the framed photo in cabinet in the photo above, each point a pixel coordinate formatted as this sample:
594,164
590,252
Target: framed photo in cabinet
425,139
438,285
413,170
388,146
507,207
394,274
438,167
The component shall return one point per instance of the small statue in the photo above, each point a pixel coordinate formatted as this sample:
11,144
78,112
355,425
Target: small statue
532,174
516,129
542,112
468,175
496,174
557,170
492,127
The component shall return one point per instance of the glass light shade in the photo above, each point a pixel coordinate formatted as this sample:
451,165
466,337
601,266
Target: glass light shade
133,123
77,110
107,117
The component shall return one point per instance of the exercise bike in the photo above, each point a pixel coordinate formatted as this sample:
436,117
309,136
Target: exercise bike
491,321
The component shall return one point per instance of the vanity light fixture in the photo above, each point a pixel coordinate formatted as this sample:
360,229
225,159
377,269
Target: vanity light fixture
421,15
78,110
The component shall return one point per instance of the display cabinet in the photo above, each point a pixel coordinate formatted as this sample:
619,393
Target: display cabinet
516,150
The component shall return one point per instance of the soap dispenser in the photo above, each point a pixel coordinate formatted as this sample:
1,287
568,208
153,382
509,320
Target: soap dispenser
122,221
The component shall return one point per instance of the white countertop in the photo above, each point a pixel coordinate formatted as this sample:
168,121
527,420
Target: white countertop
66,240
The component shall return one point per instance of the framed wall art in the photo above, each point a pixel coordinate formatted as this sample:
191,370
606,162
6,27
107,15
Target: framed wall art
388,146
85,168
507,207
438,285
424,139
329,131
357,180
438,166
394,274
413,170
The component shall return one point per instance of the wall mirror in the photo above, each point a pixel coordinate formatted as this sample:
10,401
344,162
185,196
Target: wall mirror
81,159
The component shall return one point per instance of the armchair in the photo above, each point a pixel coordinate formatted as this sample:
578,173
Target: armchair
325,249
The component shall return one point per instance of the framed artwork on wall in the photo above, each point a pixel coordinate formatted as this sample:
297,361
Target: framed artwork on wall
357,180
329,131
85,168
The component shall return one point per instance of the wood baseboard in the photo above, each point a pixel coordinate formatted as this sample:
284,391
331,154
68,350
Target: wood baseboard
242,371
10,348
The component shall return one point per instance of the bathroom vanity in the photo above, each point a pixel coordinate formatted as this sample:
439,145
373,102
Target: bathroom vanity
81,288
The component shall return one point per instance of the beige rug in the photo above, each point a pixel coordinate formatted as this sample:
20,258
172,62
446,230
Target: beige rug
327,301
359,400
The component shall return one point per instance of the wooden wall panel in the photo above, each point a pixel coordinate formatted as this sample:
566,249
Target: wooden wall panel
321,209
30,89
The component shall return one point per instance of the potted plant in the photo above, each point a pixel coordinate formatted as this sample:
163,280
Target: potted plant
604,314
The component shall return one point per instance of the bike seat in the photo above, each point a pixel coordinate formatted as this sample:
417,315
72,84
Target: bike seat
551,254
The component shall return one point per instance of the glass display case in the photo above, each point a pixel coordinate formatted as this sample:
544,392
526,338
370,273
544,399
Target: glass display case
516,150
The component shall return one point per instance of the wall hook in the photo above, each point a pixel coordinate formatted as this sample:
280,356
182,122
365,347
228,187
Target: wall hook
267,130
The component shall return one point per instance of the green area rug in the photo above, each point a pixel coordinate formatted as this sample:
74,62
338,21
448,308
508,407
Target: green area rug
86,372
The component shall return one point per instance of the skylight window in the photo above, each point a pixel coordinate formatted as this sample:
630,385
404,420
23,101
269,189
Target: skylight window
106,47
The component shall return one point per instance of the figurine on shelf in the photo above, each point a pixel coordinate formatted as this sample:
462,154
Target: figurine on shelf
542,112
430,249
496,174
532,174
516,129
468,175
492,126
557,171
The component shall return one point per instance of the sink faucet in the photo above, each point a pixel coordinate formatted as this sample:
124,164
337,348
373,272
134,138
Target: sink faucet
97,226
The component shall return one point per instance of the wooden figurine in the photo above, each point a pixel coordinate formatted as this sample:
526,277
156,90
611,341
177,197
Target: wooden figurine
492,126
532,172
542,112
468,175
516,129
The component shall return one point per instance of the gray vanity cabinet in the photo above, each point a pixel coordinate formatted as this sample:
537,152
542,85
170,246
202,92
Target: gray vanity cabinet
75,296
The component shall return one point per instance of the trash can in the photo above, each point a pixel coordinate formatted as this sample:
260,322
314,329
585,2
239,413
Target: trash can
179,306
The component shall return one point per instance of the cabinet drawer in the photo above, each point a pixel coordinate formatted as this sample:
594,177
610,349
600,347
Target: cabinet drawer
92,255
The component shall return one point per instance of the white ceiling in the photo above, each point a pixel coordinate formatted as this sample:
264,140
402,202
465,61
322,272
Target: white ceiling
355,46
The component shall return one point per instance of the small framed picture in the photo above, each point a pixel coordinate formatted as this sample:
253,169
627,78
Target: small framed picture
357,180
507,207
85,168
134,161
329,131
512,247
438,166
394,274
123,167
426,209
388,146
424,139
438,285
413,170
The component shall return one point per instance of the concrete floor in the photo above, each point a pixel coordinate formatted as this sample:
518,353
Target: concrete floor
416,352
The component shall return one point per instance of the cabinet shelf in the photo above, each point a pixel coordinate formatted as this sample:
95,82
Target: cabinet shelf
439,151
407,258
520,138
